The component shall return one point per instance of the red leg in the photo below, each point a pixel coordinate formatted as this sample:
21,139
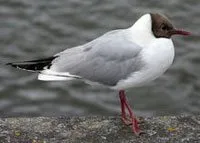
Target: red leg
124,118
124,106
121,95
135,126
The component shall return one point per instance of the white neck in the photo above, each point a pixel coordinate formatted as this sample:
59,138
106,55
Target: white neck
141,31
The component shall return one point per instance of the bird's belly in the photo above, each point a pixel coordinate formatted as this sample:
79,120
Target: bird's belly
156,62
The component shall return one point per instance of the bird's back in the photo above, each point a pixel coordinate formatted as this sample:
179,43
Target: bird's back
105,60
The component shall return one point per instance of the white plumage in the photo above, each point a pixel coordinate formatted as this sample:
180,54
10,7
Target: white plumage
157,55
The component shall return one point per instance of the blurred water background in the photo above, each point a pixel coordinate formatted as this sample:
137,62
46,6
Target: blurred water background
31,29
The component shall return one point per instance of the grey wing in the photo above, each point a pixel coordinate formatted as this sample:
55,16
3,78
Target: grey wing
106,60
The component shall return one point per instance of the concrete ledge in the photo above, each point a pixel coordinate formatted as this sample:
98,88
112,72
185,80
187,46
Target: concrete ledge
184,129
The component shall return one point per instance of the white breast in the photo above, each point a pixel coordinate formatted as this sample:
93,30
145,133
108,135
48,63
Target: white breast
158,57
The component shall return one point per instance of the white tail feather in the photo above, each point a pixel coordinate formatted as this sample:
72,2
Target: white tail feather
48,75
52,77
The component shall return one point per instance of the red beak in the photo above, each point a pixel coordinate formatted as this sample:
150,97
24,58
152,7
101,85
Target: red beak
180,32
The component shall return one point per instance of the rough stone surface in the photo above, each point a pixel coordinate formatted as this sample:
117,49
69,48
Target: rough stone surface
167,129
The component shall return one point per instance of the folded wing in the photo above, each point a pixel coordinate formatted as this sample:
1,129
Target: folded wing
106,60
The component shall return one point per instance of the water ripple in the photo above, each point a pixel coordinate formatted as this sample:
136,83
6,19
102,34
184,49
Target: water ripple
33,29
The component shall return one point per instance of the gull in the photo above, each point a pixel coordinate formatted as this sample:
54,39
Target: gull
119,59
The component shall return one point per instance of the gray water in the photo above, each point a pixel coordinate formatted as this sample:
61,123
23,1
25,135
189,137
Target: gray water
31,29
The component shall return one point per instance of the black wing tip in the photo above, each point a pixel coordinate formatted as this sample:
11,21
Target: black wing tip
13,65
33,65
9,64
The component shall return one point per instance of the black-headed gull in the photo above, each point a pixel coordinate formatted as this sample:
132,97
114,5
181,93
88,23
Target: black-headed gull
119,59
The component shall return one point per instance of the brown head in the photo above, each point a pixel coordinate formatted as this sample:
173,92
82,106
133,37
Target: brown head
163,28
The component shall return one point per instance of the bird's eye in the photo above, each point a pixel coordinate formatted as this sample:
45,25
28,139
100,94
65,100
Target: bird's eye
164,27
